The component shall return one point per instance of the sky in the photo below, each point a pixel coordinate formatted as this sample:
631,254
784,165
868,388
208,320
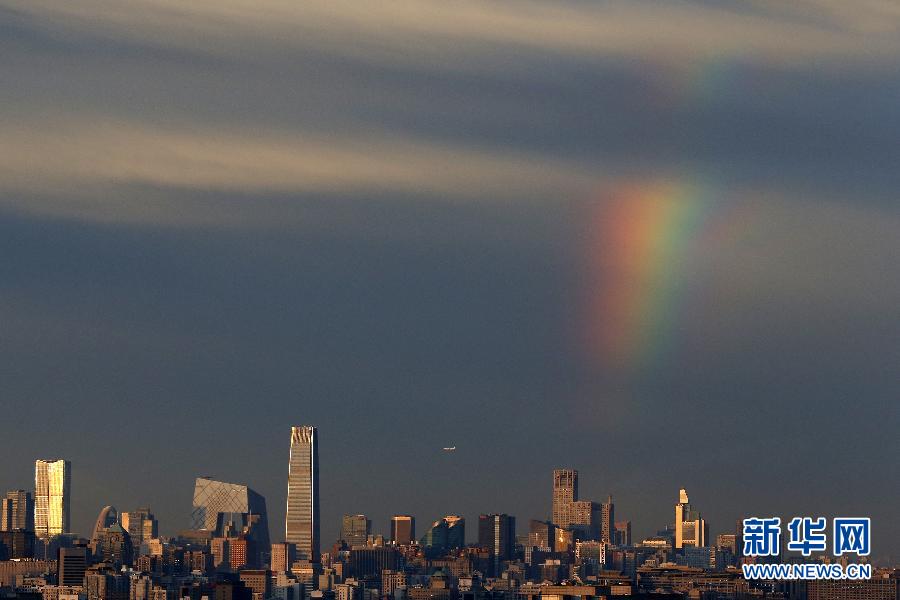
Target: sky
656,241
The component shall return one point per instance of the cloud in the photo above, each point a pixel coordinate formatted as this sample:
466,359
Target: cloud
79,158
434,33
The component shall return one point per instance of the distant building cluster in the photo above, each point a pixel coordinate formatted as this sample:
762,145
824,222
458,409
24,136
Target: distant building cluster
580,553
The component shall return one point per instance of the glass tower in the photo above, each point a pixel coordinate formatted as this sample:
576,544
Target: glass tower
52,496
301,523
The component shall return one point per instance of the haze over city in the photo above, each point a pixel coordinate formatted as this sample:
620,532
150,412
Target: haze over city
656,242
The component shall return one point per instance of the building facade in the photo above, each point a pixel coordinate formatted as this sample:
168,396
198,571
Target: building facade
229,510
52,497
17,511
355,530
403,529
301,523
690,528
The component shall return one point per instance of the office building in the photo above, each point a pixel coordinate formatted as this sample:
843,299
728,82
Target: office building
582,517
17,511
403,529
302,514
258,581
228,510
104,583
71,565
16,544
690,528
497,533
565,492
282,557
114,546
623,533
370,562
444,534
141,525
355,530
52,497
607,520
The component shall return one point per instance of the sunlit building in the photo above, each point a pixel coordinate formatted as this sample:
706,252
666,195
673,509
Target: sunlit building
17,511
403,529
690,528
52,497
301,522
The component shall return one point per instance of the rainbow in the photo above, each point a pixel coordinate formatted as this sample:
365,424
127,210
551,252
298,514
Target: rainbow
642,239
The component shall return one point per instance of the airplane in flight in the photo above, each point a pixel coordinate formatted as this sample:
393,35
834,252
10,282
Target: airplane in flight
450,449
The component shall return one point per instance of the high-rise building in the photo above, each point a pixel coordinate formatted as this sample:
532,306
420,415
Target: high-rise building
282,557
497,533
370,562
141,525
403,529
17,543
301,523
565,492
445,534
607,520
71,565
229,510
355,530
114,546
623,533
17,511
52,497
690,528
581,516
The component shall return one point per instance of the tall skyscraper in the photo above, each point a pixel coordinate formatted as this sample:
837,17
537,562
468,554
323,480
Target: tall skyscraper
355,530
228,510
607,521
565,492
301,523
403,529
690,528
497,533
17,511
52,497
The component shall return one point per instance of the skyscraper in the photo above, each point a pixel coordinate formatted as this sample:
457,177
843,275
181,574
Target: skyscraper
17,511
690,528
229,509
52,497
403,529
301,523
565,492
141,525
444,534
355,529
607,521
497,533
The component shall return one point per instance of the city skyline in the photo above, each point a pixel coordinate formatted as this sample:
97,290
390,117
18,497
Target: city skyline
655,241
694,529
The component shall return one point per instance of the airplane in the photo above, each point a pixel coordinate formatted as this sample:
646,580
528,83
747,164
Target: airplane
450,449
